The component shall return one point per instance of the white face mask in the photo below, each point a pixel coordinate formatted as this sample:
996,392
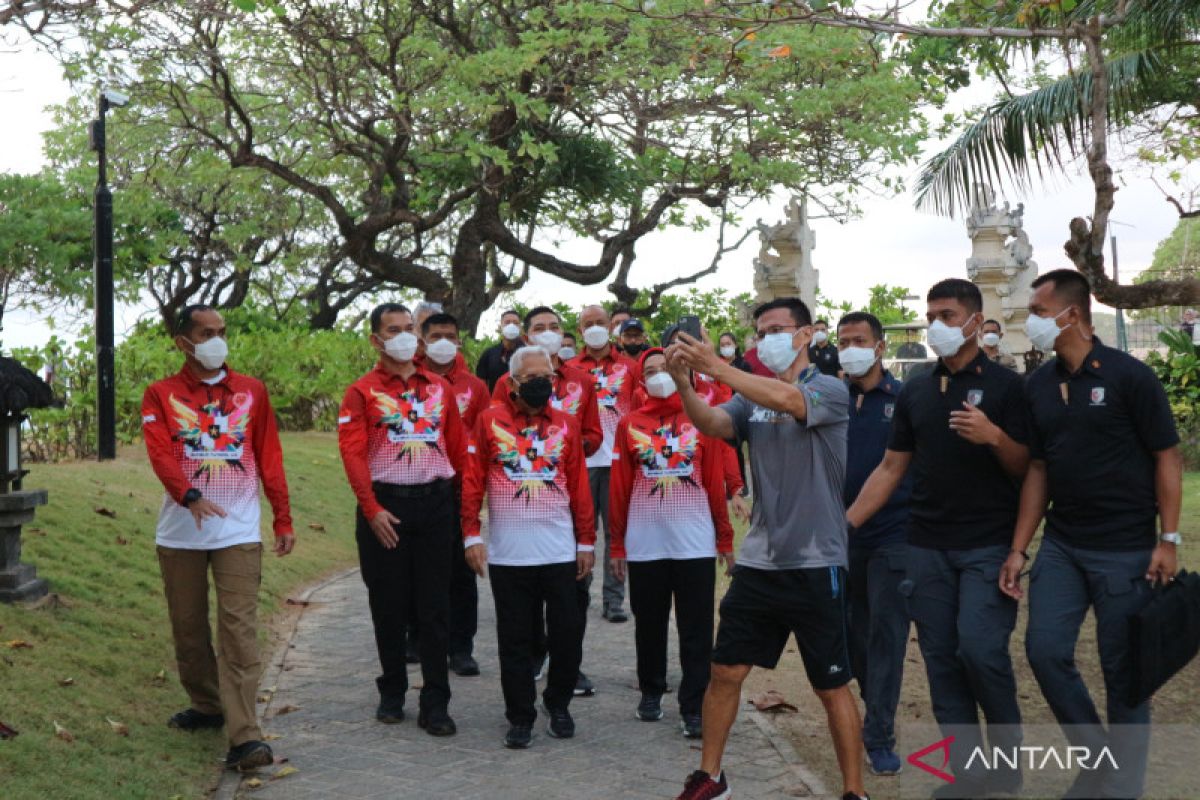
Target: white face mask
857,361
212,353
1043,331
596,336
728,351
550,341
776,352
820,337
511,331
442,351
991,339
402,346
660,385
566,353
945,340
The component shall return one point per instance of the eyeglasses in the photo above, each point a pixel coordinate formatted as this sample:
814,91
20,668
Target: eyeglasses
776,329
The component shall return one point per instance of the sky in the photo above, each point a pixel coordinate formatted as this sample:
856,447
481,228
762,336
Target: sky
890,242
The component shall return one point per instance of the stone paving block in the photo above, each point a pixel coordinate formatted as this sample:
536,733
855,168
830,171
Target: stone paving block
329,668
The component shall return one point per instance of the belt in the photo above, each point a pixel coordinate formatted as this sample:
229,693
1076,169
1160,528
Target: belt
439,486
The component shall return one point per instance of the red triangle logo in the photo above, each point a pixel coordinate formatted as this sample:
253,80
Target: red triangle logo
937,772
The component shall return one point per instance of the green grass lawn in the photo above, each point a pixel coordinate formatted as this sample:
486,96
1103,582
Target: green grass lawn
108,639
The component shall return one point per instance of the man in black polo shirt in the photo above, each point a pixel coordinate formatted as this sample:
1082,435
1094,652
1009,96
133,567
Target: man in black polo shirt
1106,462
821,353
493,362
963,427
878,553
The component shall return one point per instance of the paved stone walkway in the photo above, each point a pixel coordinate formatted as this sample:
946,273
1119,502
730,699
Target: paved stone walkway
338,750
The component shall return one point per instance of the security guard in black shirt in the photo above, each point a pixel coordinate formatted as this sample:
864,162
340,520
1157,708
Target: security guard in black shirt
963,428
1105,464
822,353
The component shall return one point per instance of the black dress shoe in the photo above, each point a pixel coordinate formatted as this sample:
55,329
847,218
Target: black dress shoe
436,723
518,737
561,725
249,755
390,710
464,666
193,720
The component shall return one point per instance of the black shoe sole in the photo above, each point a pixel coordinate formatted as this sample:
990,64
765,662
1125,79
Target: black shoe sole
517,745
553,735
437,730
640,718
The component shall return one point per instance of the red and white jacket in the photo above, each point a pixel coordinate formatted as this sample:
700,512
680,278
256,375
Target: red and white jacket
470,392
573,394
398,431
531,467
220,438
615,377
666,496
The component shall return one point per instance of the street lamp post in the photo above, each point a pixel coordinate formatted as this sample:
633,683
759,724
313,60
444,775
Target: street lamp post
102,276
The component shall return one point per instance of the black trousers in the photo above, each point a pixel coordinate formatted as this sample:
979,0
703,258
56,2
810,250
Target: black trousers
420,565
464,601
691,583
520,593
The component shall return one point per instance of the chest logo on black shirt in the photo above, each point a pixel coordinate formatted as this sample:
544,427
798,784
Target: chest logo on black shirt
975,397
213,434
411,422
666,455
888,410
1097,396
530,458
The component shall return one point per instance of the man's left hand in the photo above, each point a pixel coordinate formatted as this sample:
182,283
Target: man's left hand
584,562
974,426
284,543
1164,563
741,509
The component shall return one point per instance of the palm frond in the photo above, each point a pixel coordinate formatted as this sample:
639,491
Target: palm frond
1018,138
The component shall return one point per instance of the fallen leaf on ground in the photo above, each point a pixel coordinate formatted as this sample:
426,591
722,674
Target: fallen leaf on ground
283,773
316,526
105,512
286,710
66,682
18,644
772,701
161,677
119,728
291,601
7,732
254,783
270,737
62,733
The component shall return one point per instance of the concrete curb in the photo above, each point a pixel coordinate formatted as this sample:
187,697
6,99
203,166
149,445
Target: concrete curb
815,786
231,782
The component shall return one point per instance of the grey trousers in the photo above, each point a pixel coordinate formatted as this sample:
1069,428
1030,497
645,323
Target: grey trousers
614,590
878,636
1064,583
963,625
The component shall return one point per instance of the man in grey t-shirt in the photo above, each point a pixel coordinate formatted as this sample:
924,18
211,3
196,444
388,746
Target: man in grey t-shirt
791,572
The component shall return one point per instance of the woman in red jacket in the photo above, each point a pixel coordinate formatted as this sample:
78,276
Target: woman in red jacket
669,524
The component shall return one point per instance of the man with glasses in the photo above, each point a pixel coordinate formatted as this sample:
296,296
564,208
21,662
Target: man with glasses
791,573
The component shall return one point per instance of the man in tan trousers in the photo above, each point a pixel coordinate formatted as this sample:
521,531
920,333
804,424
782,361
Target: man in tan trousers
211,437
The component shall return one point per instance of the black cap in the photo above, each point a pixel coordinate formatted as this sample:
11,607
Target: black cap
632,324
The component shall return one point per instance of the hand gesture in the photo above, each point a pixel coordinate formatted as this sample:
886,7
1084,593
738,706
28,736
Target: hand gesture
974,426
204,508
383,526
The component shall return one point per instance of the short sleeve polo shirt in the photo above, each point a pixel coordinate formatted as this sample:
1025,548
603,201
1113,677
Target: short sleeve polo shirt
962,497
799,468
871,416
1098,430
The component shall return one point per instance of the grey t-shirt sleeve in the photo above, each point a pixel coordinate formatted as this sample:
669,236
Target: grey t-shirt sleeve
827,399
738,409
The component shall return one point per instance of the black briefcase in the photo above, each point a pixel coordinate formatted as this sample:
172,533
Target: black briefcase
1164,636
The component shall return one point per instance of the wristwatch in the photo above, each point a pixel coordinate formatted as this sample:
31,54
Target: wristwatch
191,496
1171,538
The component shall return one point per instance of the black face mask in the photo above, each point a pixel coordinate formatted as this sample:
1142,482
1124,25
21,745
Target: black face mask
536,392
635,349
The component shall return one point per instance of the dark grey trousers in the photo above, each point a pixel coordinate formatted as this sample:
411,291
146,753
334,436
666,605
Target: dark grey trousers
963,625
614,590
1064,583
878,636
